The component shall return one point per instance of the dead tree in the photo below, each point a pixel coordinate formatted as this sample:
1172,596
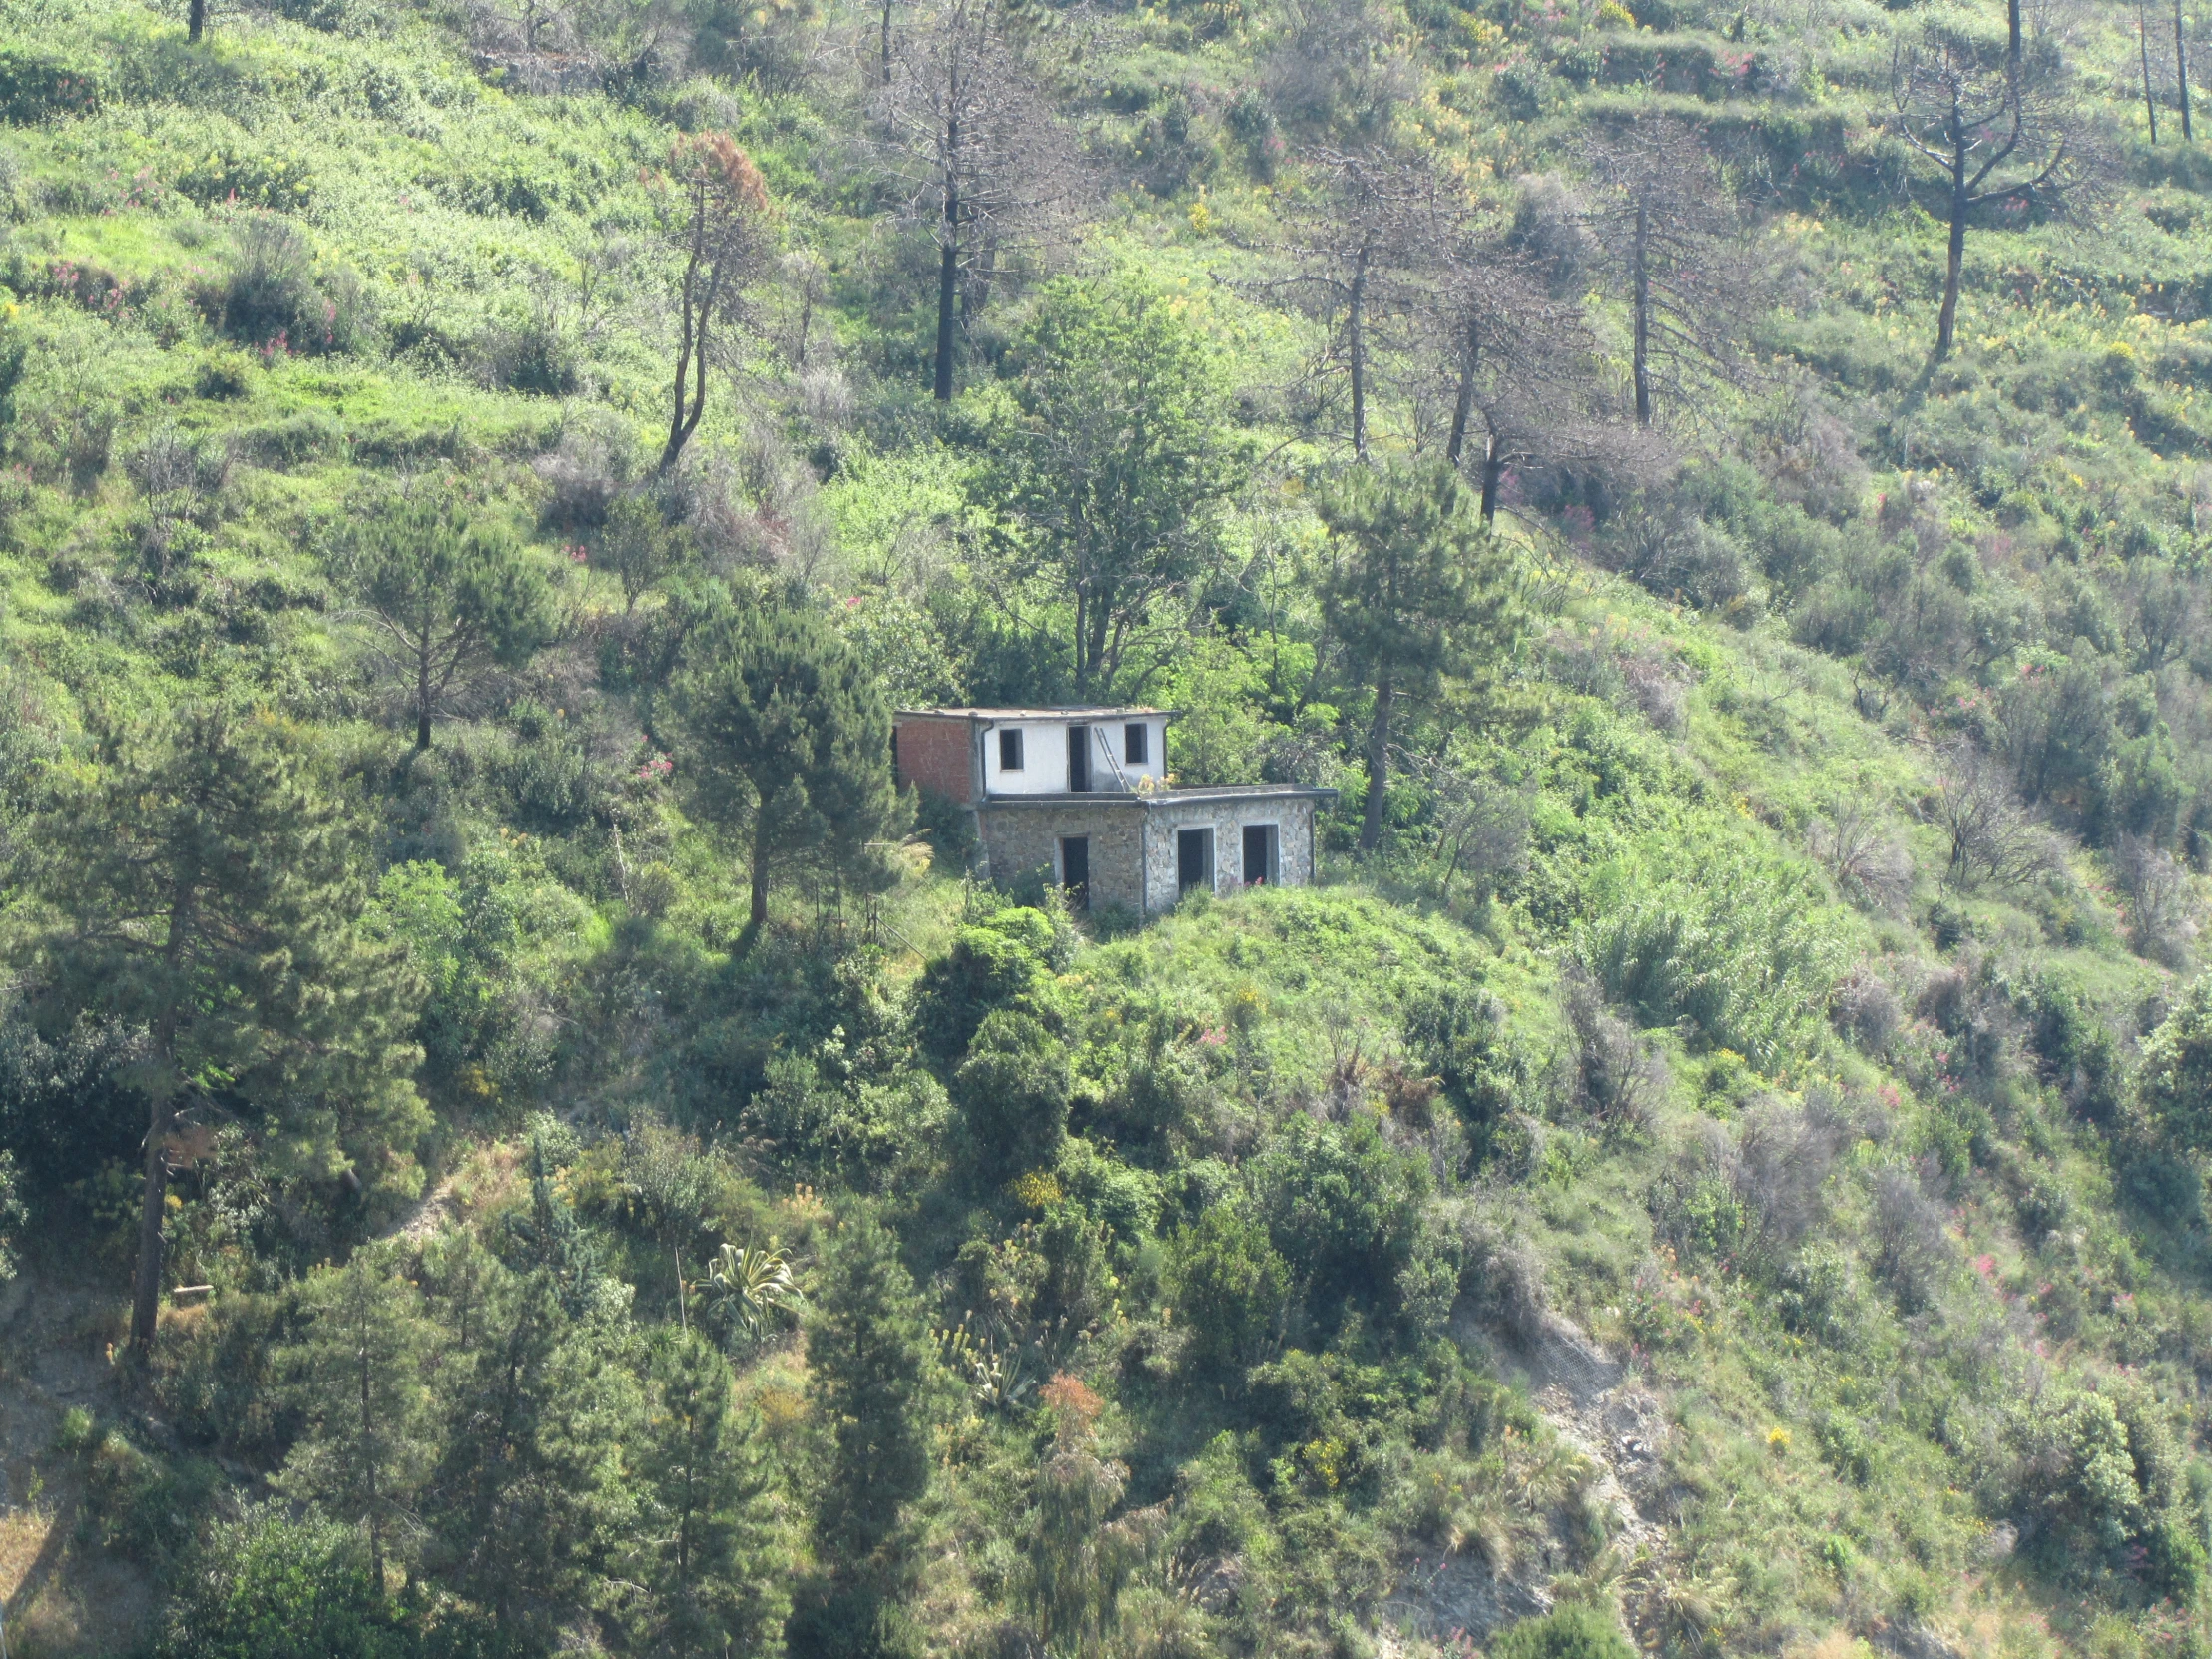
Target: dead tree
1990,133
1357,246
715,222
1668,226
2142,46
985,156
1517,359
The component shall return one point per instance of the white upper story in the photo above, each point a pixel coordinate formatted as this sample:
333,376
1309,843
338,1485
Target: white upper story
1079,750
976,753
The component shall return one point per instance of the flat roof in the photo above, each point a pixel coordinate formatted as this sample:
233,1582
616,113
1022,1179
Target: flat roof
1086,712
1159,797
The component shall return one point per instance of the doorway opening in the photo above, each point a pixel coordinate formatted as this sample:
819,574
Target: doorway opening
1194,860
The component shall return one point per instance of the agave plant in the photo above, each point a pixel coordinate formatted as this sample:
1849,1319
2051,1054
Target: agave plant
746,1288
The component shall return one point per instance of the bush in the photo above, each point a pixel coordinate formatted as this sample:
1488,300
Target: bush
1014,1093
992,965
1343,1208
1231,1292
2177,1069
1571,1632
272,298
265,1587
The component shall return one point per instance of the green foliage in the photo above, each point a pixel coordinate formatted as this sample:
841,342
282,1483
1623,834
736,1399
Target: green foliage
874,1375
1002,963
707,1542
1013,1090
453,597
1110,461
357,1378
1415,590
1345,1208
1575,1631
1231,1289
266,1586
787,735
2176,1077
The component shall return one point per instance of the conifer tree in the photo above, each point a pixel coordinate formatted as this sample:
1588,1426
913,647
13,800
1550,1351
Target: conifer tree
1416,590
357,1378
709,1553
790,734
451,599
200,885
530,1497
874,1369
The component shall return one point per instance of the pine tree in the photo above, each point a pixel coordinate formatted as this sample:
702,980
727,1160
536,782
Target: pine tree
357,1378
530,1497
1416,590
787,729
709,1554
874,1371
200,885
451,599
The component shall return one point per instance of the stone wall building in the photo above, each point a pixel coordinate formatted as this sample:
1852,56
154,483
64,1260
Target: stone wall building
1082,794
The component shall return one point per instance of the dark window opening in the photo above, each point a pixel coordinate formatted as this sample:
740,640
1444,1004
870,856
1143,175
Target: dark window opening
1079,758
1009,750
1194,860
1075,870
1258,854
1133,746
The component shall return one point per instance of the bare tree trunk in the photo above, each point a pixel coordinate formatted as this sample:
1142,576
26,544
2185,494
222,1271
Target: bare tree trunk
948,270
196,19
1494,464
1463,406
1358,344
759,868
375,1521
2013,38
2181,74
2142,43
422,689
1641,272
1378,767
886,42
1947,323
147,1292
146,1298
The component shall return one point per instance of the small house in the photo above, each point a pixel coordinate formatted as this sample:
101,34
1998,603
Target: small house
1082,793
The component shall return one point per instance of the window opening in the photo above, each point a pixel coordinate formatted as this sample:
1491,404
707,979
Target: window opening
1009,750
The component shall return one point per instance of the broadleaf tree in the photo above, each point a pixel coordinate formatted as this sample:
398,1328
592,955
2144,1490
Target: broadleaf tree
1114,460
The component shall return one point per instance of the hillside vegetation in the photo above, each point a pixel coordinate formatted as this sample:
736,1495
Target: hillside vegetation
517,1137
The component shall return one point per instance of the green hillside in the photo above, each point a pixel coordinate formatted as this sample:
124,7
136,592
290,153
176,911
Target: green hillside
1715,1166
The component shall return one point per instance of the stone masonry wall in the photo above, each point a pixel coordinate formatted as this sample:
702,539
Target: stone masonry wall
1019,839
1292,817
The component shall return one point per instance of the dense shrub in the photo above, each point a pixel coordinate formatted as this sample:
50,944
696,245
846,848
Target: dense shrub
1013,1091
268,1587
1571,1632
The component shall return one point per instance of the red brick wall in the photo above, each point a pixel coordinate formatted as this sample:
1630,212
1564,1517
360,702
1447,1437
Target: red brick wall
938,753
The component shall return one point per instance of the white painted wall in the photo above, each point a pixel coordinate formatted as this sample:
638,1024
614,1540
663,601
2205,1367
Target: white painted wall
1044,746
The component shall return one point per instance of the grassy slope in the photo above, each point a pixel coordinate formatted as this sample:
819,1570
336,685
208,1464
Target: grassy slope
458,205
